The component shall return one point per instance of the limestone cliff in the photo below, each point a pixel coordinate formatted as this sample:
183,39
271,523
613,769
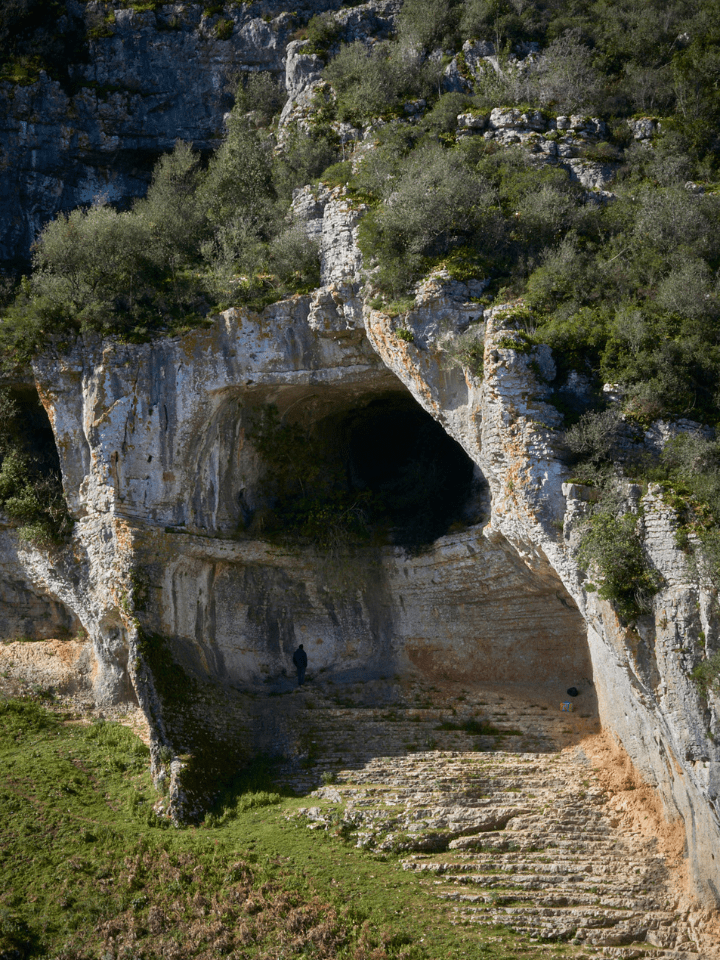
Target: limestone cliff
149,78
160,469
190,610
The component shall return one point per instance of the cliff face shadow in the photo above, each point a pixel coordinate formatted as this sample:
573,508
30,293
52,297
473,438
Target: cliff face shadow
345,728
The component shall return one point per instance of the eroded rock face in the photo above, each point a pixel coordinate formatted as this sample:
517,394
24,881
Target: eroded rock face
151,78
642,676
161,467
188,613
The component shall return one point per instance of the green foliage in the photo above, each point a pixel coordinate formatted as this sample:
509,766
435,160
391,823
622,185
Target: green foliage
468,351
435,204
31,491
707,675
566,77
239,181
373,81
322,32
88,869
224,29
443,116
303,159
693,461
593,442
260,94
337,174
611,548
200,237
627,290
427,24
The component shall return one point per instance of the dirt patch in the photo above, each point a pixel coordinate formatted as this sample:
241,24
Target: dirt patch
62,666
639,809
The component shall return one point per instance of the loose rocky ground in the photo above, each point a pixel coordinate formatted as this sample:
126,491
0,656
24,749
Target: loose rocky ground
506,815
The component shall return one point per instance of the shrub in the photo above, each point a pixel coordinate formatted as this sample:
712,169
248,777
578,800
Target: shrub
610,546
468,351
495,20
565,75
594,438
239,180
304,157
224,29
30,486
427,23
707,675
435,205
261,94
443,116
337,174
173,213
295,258
90,262
371,82
322,32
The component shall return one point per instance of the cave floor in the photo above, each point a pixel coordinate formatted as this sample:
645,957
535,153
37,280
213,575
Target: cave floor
494,799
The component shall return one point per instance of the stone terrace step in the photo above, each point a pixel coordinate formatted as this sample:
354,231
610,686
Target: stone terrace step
511,827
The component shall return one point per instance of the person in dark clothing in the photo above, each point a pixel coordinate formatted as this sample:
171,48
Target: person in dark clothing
300,661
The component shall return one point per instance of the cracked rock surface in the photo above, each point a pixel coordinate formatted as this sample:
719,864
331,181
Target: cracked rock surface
514,826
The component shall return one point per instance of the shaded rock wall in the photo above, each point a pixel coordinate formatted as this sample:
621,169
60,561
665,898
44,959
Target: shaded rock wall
27,611
464,607
151,78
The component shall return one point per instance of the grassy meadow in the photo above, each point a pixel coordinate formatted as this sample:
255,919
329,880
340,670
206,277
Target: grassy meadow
88,871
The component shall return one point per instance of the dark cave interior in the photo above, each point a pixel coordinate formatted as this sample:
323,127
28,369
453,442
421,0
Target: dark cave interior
26,426
382,469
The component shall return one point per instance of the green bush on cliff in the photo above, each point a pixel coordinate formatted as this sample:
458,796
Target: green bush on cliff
611,547
374,81
707,675
31,491
434,204
260,94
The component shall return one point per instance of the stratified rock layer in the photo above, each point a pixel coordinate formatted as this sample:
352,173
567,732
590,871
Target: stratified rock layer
190,616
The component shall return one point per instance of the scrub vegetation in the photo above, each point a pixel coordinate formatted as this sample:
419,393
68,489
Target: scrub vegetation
623,288
31,491
89,872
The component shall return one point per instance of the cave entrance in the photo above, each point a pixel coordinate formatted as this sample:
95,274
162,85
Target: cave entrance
26,428
381,470
421,480
32,493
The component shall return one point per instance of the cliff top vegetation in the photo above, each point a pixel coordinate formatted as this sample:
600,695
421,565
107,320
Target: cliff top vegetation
621,282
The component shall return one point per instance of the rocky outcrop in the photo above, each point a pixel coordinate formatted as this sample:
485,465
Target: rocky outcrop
162,470
642,673
189,608
150,78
